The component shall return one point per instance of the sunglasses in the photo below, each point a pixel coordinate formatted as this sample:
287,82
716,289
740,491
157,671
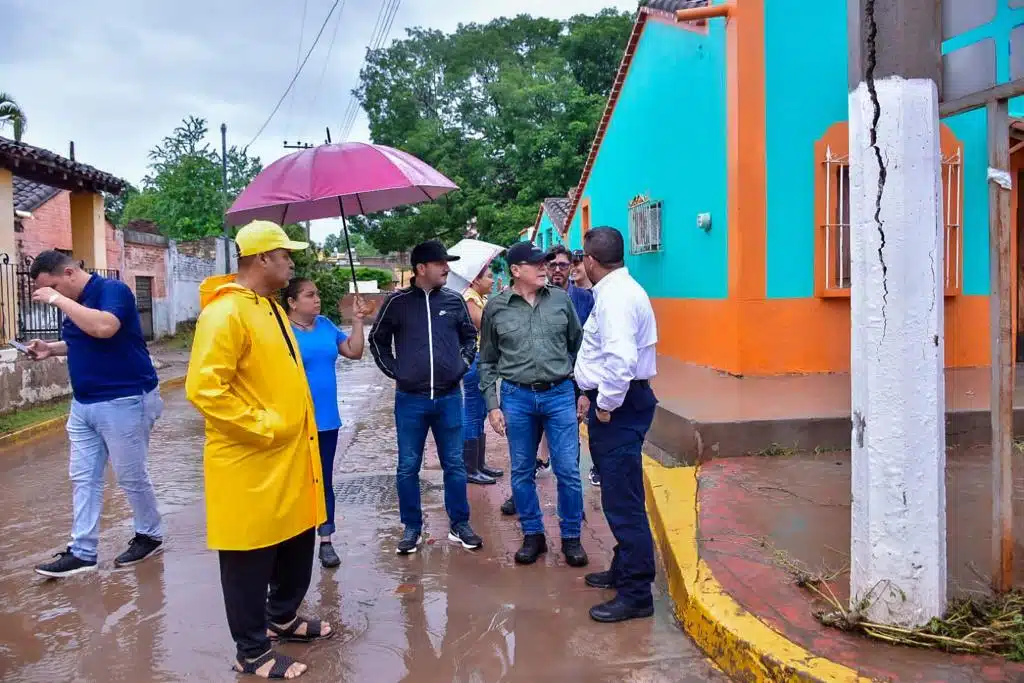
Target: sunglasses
553,265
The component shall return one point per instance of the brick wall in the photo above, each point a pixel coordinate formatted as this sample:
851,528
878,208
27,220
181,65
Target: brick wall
146,260
49,228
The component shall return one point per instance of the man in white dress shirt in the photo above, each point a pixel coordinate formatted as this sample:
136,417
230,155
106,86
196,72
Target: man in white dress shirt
613,369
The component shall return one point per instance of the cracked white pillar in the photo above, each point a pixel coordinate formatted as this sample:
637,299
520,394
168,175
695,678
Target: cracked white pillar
898,556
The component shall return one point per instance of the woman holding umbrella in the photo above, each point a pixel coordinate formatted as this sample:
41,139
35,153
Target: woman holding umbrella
320,344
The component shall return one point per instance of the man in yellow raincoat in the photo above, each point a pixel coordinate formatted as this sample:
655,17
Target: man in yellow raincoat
264,494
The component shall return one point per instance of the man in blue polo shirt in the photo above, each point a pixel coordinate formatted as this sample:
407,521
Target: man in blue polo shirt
116,403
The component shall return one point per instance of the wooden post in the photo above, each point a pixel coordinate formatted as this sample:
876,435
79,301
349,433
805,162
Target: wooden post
1000,308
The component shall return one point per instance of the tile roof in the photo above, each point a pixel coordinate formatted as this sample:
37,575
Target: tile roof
558,209
656,7
675,5
43,166
30,195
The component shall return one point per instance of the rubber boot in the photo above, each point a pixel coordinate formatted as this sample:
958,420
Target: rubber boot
481,462
470,450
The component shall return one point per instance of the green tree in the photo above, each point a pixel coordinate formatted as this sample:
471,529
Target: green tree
334,244
183,192
12,115
114,204
507,110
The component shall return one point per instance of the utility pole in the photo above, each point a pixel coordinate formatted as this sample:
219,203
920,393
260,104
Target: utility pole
898,532
224,186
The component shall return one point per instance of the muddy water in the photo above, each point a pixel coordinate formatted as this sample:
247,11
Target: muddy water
441,615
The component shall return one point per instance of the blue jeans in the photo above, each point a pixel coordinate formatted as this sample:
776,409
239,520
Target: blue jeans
328,445
474,405
414,416
527,415
616,449
117,430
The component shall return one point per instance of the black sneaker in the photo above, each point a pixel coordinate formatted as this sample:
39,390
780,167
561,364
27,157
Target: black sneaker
464,534
575,555
66,564
410,542
328,556
139,548
595,478
543,467
509,506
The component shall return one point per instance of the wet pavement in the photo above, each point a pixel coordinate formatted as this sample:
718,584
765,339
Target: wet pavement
442,615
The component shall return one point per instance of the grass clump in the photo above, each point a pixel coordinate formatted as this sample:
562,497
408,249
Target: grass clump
27,417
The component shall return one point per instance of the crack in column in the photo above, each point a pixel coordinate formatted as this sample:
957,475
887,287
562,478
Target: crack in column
869,78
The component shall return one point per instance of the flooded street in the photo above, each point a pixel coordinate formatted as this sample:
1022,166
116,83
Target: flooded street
441,615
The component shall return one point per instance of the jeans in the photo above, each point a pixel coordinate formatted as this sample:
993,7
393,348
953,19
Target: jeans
117,430
474,405
616,449
553,412
414,416
328,445
267,584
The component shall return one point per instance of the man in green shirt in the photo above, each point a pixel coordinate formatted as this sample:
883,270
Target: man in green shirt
528,339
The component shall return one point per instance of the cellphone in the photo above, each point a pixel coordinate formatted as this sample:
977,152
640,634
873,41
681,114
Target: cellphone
21,347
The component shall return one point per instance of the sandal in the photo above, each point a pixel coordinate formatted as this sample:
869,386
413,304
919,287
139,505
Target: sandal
281,665
286,634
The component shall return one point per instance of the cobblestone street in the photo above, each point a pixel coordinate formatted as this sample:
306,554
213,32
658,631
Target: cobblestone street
438,616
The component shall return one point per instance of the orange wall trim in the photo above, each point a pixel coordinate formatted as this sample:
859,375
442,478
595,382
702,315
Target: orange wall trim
794,336
747,131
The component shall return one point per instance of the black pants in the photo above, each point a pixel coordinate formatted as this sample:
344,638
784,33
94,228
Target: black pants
616,447
246,575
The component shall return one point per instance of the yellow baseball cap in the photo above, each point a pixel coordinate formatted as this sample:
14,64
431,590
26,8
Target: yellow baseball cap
259,237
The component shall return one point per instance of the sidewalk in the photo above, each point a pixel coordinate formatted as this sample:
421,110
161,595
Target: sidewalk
736,531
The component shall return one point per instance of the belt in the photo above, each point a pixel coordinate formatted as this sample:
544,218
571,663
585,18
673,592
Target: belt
539,387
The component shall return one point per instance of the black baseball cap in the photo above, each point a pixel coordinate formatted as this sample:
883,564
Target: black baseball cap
431,251
525,252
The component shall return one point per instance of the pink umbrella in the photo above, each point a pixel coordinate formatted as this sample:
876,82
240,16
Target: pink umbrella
337,180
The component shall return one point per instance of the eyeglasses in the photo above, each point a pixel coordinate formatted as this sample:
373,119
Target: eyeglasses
554,265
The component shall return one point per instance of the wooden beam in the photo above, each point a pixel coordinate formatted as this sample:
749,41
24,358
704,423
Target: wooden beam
709,12
982,98
1001,311
1017,147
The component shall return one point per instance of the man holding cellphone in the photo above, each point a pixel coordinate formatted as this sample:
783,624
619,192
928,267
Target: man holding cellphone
116,403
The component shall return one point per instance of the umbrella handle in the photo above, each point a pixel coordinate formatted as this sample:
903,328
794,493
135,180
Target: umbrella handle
348,248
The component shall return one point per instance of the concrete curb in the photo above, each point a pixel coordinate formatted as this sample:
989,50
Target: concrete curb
741,644
47,426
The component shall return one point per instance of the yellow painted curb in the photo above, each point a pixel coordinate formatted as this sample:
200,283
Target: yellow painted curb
740,643
53,424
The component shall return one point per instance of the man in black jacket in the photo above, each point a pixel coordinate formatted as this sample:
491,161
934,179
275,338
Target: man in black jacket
434,344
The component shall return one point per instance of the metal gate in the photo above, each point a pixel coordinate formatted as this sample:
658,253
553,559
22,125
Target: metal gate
144,302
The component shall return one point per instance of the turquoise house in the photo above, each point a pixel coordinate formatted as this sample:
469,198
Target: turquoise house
723,157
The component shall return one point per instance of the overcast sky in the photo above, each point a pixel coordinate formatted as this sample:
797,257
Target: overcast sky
116,76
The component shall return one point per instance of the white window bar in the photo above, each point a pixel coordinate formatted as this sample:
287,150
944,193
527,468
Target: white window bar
645,227
837,219
952,168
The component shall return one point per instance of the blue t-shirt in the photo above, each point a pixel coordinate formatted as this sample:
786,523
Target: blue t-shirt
118,367
319,349
582,301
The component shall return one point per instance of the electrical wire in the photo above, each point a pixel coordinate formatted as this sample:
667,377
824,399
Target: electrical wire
351,97
298,56
323,72
386,20
296,76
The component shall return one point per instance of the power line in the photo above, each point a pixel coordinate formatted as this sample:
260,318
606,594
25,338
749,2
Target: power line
351,98
327,64
298,56
297,72
380,37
